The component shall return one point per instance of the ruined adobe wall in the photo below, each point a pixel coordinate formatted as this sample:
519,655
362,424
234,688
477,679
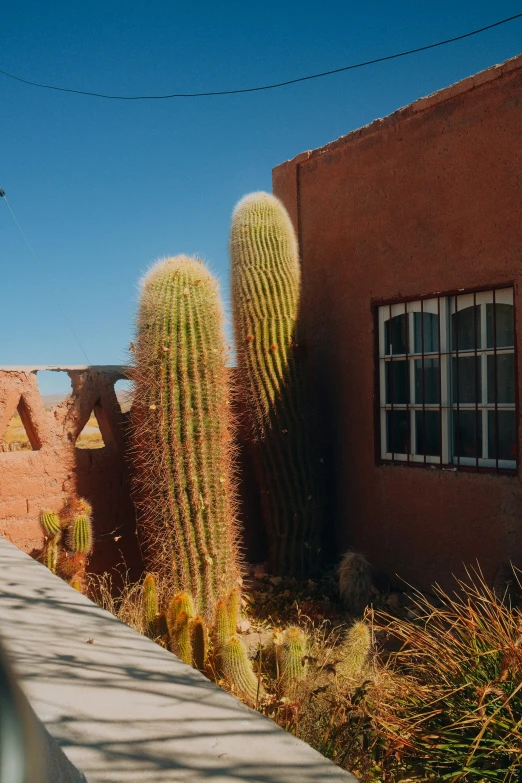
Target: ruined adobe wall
426,200
56,469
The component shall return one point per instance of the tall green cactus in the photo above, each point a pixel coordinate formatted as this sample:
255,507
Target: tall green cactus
80,532
182,433
238,670
266,282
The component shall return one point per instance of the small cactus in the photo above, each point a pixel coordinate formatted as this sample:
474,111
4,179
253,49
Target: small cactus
355,650
51,554
160,627
221,624
355,581
50,522
238,671
80,533
180,638
291,658
76,584
150,603
70,565
233,604
199,640
181,602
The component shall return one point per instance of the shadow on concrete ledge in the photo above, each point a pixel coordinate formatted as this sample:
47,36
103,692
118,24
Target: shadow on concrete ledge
124,709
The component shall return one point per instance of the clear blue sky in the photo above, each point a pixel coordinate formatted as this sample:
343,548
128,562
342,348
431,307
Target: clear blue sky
101,188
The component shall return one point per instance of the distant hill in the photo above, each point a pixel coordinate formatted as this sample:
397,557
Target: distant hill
50,400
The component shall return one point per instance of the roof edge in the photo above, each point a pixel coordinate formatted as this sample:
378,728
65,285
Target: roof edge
421,104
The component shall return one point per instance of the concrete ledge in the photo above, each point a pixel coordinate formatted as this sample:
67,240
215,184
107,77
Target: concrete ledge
122,708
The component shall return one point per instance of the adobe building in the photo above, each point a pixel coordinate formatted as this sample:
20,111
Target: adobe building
410,232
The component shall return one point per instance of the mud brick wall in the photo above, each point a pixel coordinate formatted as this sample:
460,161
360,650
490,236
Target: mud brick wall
55,469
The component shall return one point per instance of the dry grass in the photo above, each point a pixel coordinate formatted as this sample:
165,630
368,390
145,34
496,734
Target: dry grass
439,697
15,439
90,437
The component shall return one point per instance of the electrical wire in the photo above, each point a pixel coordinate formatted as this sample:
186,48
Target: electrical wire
266,86
44,275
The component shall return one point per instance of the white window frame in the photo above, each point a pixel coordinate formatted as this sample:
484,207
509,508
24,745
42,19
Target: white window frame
444,307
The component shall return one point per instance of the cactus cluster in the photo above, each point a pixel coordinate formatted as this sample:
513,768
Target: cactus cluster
188,638
266,286
182,434
68,540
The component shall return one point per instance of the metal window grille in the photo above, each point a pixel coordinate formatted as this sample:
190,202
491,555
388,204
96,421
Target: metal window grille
447,381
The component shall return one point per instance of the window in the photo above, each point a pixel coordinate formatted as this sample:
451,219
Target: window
447,380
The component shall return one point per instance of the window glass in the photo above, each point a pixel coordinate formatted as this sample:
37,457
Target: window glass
465,325
397,383
396,335
467,433
427,425
502,431
466,379
427,383
398,431
504,388
426,328
501,326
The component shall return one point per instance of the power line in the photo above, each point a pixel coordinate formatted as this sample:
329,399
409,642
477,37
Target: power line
44,275
266,86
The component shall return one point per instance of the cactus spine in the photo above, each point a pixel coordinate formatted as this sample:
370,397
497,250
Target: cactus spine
80,533
182,443
199,641
150,604
355,650
238,670
291,659
266,281
50,522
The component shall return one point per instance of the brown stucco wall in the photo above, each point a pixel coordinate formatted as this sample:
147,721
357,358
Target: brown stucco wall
56,469
427,200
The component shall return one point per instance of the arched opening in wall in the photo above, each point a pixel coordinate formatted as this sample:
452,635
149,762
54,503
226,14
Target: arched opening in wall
55,387
92,433
20,433
124,390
